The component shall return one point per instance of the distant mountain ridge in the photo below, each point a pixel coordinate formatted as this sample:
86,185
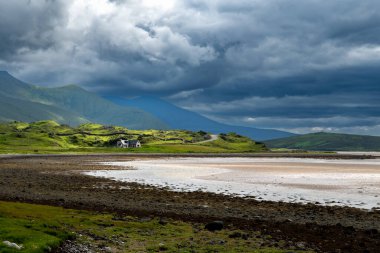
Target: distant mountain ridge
68,104
179,118
328,142
74,105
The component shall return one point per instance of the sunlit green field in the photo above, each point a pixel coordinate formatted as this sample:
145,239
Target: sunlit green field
50,137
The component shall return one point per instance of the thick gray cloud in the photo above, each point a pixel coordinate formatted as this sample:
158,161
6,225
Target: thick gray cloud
28,25
290,64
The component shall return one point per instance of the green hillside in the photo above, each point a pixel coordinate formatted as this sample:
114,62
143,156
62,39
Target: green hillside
68,104
328,142
52,137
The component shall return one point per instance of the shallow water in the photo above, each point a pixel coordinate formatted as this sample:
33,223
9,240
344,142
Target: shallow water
353,183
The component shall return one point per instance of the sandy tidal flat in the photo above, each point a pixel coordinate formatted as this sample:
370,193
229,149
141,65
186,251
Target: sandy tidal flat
353,183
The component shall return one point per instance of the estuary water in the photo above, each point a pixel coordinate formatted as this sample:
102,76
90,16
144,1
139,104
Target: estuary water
354,183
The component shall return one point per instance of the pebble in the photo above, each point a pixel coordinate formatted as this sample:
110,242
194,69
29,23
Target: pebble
301,245
107,249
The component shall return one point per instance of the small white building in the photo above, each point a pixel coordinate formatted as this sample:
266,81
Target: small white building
128,144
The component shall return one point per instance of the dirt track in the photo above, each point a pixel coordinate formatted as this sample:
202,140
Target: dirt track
55,180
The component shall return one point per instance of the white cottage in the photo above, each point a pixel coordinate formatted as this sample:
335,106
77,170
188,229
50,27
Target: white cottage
128,144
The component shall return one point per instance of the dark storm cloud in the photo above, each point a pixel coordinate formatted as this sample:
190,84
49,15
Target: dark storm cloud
307,64
28,25
360,79
298,107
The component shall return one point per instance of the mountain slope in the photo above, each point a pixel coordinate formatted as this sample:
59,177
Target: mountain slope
328,142
10,86
179,118
22,110
99,110
69,104
17,103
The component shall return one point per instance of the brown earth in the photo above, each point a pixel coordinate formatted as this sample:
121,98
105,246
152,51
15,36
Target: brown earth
55,180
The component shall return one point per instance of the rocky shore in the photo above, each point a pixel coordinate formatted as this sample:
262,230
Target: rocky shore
55,180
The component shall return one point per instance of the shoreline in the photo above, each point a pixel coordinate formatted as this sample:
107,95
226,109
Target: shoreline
354,183
163,155
56,180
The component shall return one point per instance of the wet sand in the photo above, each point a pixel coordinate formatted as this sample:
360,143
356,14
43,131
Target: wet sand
354,183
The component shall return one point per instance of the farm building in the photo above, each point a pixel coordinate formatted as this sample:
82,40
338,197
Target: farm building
128,144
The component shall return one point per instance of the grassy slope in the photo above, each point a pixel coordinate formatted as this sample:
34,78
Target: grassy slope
328,142
51,137
40,228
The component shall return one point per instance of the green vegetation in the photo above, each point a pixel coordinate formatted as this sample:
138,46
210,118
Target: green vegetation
51,137
42,228
328,142
236,143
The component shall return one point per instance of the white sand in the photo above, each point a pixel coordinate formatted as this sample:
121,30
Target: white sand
353,183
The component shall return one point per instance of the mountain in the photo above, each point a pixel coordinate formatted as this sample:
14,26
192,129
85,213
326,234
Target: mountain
28,111
328,142
68,104
17,103
73,105
178,118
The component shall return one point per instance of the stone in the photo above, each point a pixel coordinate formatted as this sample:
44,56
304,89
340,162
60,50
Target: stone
235,235
214,226
162,221
162,247
12,245
244,236
108,249
301,245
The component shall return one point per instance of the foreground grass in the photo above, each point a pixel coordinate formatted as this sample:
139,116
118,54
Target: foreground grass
42,228
50,137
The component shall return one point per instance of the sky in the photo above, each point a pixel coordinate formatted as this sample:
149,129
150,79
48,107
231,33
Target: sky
296,65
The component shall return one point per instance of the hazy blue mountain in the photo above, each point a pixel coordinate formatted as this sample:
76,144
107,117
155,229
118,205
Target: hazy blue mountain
73,105
99,110
328,142
178,118
68,104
